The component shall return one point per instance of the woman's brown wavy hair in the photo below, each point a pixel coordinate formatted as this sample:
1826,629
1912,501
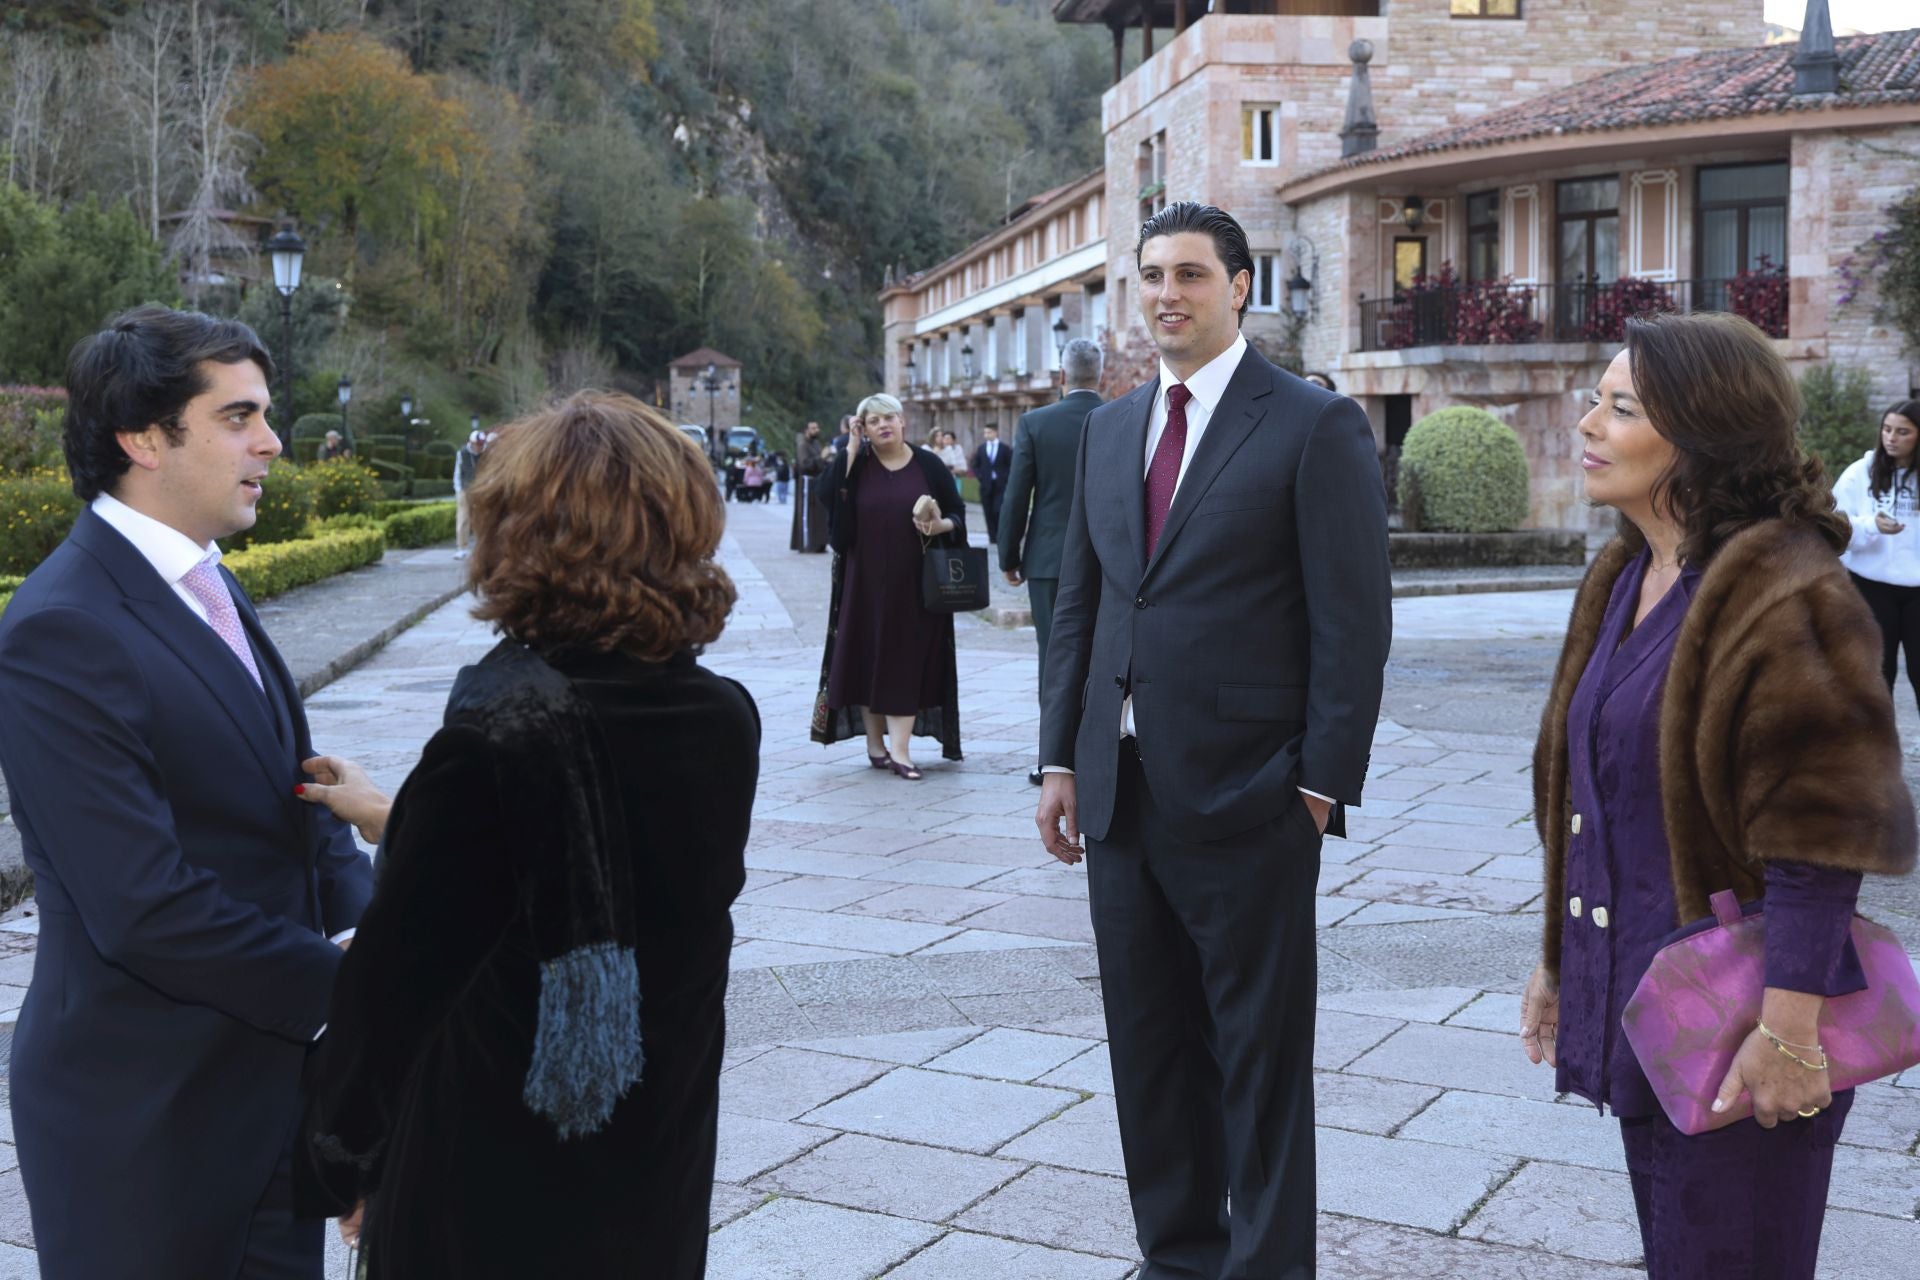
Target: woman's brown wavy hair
595,525
1715,388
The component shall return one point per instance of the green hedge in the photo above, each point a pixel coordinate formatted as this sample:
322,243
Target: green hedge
7,587
1462,470
266,571
421,526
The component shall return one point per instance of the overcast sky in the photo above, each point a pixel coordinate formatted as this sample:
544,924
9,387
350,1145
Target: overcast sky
1861,15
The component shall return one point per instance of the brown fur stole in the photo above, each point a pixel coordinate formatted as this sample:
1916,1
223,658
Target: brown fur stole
1777,735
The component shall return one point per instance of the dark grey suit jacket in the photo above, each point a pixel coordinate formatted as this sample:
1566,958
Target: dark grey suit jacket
1254,641
1044,449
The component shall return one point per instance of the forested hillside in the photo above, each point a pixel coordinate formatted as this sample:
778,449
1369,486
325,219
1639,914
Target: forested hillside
504,197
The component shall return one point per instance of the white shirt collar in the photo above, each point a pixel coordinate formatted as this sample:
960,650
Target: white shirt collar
1209,382
171,553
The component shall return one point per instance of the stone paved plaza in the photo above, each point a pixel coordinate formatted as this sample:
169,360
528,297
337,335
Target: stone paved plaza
917,1083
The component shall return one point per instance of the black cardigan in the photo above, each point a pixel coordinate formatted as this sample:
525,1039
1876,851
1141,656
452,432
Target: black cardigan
836,490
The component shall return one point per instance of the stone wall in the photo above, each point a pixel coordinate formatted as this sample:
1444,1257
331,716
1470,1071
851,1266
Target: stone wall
1843,183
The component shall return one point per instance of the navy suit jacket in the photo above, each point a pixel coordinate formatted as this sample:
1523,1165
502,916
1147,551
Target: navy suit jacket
992,472
1044,450
186,898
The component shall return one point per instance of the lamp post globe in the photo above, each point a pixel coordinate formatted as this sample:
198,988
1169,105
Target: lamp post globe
288,251
406,406
345,392
1299,293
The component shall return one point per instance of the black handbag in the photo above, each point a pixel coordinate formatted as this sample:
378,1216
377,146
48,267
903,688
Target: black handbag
953,579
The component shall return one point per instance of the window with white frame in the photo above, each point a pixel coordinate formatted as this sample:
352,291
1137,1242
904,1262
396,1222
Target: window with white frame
992,366
1269,288
1019,360
1096,314
1260,134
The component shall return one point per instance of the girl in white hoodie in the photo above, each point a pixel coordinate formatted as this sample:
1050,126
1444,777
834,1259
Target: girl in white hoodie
1880,494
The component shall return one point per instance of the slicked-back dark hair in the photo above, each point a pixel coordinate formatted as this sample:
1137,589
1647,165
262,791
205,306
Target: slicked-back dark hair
1884,476
139,371
1229,240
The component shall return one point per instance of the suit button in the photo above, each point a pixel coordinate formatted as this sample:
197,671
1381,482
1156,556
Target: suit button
1575,907
1119,682
1575,824
1600,917
1139,602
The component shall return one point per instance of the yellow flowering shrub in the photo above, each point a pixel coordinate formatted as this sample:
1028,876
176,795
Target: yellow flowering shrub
36,510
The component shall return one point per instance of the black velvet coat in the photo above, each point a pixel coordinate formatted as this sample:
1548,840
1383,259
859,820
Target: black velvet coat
431,1027
837,486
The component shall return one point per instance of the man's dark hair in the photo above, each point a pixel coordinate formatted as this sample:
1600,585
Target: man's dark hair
141,370
1229,240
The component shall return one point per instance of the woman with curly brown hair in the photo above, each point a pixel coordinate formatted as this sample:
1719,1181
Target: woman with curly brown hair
520,1071
1717,722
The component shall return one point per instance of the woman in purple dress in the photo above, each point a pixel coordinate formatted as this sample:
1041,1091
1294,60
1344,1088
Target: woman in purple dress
1717,721
889,670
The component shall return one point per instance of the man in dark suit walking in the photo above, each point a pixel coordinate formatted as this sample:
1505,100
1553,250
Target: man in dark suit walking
1044,447
1212,685
192,909
990,465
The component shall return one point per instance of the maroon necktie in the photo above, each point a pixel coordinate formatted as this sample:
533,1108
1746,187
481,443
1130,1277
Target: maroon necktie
1163,476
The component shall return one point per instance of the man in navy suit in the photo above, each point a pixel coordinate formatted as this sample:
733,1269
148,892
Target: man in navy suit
1213,679
192,909
992,462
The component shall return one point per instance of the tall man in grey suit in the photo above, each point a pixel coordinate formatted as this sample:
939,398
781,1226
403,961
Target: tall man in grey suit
1212,683
1045,445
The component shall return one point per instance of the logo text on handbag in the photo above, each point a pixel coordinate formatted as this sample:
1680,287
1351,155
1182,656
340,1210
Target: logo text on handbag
956,569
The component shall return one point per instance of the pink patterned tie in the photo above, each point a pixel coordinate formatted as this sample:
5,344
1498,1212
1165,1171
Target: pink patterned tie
210,589
1163,476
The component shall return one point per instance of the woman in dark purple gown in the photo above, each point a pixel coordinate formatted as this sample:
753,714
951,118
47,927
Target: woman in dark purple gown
889,671
1715,723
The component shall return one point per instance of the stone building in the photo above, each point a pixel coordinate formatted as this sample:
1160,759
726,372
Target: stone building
976,340
1481,146
703,389
1494,263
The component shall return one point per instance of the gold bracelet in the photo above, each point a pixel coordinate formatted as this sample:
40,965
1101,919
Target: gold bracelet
1768,1033
1781,1045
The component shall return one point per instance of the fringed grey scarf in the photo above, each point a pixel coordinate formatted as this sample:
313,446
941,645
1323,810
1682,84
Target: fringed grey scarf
576,882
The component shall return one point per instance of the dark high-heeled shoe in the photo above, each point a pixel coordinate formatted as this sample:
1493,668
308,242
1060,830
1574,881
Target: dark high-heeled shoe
878,762
910,772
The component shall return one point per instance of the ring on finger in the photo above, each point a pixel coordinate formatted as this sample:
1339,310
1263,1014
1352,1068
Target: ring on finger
1809,1113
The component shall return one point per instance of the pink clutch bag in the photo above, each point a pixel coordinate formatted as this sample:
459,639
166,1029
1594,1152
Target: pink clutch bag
1700,999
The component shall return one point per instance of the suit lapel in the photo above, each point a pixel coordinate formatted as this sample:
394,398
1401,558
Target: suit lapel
1130,457
163,613
1239,412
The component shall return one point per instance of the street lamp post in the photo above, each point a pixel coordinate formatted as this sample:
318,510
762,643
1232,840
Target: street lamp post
712,385
473,425
287,250
1060,348
345,391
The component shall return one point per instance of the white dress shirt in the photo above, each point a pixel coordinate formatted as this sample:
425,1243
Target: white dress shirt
1207,388
172,553
173,556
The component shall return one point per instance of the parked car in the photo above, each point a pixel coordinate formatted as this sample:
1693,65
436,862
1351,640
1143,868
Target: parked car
743,440
696,434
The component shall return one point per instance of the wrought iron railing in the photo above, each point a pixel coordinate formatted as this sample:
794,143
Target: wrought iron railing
1448,312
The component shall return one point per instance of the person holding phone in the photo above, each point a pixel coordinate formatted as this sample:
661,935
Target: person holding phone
889,670
1881,497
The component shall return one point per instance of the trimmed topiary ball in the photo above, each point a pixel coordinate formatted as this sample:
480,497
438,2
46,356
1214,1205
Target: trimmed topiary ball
1462,470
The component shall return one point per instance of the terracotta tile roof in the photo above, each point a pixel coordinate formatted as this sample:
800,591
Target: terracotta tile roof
703,357
1723,85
